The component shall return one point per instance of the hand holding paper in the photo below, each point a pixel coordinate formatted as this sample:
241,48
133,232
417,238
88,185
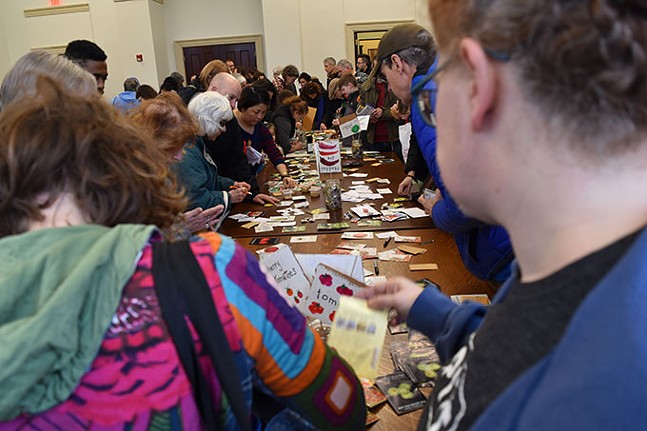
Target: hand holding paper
399,293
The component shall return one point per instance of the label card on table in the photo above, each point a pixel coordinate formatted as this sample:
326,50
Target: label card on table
358,335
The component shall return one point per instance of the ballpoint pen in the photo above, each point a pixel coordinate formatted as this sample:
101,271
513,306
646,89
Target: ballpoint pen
376,268
388,240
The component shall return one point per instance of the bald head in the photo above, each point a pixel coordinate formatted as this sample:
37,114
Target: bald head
228,86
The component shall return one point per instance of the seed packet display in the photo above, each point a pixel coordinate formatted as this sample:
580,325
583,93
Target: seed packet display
401,393
420,365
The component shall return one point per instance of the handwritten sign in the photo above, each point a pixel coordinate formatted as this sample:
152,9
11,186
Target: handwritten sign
328,285
328,156
287,272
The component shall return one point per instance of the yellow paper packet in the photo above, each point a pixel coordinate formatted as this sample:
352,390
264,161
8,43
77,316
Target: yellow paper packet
358,335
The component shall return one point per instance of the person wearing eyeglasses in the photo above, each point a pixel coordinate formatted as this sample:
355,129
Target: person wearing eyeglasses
542,127
406,55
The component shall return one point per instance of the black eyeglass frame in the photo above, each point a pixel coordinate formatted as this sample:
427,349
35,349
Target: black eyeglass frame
423,97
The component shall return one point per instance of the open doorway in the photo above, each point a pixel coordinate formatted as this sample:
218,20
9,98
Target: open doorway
192,55
363,38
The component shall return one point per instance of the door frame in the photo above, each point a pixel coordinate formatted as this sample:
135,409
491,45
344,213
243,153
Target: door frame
351,28
256,39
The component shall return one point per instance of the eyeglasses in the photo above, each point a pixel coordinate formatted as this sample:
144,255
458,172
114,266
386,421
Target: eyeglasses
425,98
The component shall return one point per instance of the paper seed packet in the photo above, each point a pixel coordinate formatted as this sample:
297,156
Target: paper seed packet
401,393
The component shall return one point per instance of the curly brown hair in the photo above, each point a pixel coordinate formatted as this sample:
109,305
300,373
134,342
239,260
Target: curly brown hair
583,62
168,121
56,142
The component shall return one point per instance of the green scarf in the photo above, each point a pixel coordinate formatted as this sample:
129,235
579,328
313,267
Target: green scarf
59,289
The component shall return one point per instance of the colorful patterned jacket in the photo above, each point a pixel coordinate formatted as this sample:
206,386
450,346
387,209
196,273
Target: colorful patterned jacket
136,382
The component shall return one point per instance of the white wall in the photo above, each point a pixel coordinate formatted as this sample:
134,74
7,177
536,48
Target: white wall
200,19
283,33
300,32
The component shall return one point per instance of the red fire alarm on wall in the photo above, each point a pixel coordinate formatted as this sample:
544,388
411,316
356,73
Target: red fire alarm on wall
139,57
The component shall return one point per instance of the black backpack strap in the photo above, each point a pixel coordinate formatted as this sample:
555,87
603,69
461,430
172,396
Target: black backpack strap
182,290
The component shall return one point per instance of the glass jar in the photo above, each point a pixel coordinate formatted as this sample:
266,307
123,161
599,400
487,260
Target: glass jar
332,194
356,148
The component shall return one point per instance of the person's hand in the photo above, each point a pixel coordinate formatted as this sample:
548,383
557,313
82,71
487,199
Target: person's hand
198,219
241,185
323,126
377,113
428,204
263,199
296,146
298,125
237,195
289,182
404,188
398,293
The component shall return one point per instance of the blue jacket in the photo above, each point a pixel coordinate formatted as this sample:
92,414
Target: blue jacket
595,376
486,250
125,100
199,176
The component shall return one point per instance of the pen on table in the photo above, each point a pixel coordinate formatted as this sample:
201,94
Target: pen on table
376,268
388,240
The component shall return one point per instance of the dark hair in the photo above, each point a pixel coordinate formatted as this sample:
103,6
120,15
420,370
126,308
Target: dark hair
267,85
251,97
284,94
296,104
81,50
146,92
584,64
56,142
305,76
347,80
369,63
311,90
422,58
169,84
290,70
168,121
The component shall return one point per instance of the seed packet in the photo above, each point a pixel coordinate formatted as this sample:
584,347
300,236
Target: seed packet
401,393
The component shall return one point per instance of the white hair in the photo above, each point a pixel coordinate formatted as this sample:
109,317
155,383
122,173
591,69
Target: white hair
210,109
20,81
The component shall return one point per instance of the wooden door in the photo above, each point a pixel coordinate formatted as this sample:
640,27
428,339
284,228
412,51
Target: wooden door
243,54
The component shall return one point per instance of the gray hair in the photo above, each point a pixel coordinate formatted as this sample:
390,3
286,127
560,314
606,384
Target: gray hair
278,70
421,58
131,84
210,109
330,60
344,64
20,81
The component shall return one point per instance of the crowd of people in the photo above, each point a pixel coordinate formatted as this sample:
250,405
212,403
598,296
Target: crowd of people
527,126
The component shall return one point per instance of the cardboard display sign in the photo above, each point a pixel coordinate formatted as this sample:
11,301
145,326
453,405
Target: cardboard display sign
349,125
287,272
309,119
328,156
327,288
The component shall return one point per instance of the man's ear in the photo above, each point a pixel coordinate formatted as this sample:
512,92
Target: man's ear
483,76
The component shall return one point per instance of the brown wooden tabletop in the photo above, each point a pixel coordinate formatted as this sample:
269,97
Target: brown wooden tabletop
451,277
393,171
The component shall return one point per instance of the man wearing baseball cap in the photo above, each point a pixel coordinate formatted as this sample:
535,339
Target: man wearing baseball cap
407,57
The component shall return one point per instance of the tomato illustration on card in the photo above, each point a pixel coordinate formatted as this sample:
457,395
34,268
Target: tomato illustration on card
326,289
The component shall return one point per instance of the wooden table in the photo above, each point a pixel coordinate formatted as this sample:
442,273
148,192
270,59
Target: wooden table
451,276
393,171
